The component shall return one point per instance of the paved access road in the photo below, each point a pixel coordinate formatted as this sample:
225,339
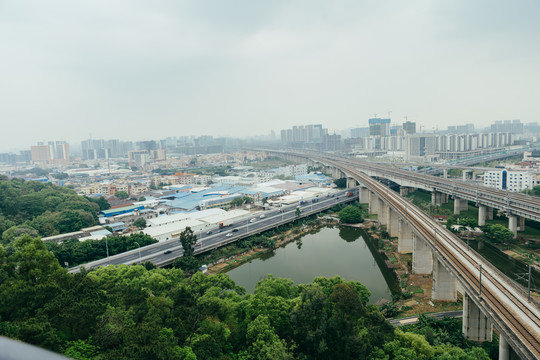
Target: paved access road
414,319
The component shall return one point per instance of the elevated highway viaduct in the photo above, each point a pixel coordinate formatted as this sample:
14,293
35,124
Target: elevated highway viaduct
489,297
165,252
516,206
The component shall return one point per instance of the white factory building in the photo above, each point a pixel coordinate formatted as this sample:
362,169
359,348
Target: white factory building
169,227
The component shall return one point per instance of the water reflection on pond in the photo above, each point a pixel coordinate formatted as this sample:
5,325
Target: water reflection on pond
331,251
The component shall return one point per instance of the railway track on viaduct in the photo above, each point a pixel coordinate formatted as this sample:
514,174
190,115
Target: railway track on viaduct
498,297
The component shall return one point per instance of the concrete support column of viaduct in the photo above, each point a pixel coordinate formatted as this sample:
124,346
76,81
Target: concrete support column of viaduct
444,283
351,183
489,215
405,190
373,203
422,259
476,325
504,349
383,213
460,205
482,215
405,237
393,223
512,224
521,223
363,195
437,198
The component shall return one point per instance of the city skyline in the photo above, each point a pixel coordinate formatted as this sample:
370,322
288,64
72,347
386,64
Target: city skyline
136,71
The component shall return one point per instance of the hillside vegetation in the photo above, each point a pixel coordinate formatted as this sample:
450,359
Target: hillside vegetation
42,209
129,312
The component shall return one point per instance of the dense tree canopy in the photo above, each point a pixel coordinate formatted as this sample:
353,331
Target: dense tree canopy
350,215
341,183
43,207
130,312
75,252
140,223
121,194
497,233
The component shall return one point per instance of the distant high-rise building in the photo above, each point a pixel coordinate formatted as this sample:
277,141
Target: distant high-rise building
409,127
359,132
310,137
513,126
420,147
62,151
379,127
41,154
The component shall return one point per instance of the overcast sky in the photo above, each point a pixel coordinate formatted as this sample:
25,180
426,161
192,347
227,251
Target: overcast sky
151,69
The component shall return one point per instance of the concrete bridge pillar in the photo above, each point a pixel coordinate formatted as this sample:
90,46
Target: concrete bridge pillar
482,214
405,190
436,198
489,214
363,196
476,325
383,213
373,203
393,223
512,224
521,223
351,183
445,198
422,259
405,237
460,205
504,348
444,283
467,174
445,173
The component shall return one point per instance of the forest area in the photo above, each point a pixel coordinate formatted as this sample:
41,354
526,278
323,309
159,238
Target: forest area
43,209
130,312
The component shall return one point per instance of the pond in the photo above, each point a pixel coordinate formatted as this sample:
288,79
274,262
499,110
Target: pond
342,251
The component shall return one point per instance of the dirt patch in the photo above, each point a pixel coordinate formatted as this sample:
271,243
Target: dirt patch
233,261
420,286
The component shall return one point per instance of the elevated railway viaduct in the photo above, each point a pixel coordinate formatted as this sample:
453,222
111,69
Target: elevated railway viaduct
516,206
489,297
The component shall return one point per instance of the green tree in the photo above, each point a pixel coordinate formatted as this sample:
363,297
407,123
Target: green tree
121,195
470,222
264,343
341,183
188,240
535,191
101,201
81,350
140,223
298,212
350,215
450,222
15,232
187,263
497,233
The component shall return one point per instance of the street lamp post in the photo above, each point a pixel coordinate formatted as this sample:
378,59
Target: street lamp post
140,259
529,287
107,247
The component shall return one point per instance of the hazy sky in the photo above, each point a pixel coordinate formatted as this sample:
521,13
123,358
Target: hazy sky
150,69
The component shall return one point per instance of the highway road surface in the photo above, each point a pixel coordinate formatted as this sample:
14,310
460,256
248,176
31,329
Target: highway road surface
165,252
